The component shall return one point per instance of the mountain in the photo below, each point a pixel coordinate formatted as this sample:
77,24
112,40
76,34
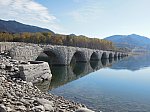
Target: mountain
16,27
132,41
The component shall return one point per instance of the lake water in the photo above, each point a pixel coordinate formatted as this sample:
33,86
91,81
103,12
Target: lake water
121,85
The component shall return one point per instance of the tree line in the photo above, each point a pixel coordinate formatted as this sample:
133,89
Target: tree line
57,39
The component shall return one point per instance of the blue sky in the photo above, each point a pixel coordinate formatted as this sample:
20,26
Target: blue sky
93,18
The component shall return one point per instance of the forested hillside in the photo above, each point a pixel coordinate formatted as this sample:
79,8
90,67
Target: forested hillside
132,41
13,31
16,27
57,39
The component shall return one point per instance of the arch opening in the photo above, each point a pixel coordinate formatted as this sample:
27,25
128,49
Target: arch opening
119,55
110,55
104,56
115,55
50,57
94,57
78,57
122,55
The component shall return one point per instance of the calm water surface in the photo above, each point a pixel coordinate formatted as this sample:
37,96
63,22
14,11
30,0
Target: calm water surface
109,85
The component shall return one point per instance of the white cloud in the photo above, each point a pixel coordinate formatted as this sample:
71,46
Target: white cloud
88,11
28,11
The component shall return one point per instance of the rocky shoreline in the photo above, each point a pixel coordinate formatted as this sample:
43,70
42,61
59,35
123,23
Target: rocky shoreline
17,95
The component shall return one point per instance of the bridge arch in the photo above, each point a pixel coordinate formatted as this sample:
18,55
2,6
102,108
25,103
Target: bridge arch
78,56
119,54
122,55
104,55
115,56
110,55
52,56
94,57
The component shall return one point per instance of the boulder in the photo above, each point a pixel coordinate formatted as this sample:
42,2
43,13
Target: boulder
35,71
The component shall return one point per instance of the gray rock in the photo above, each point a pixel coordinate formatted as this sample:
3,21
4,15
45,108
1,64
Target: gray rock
41,107
84,110
9,66
25,101
2,66
16,69
9,95
48,107
35,71
1,91
2,109
23,108
44,101
46,76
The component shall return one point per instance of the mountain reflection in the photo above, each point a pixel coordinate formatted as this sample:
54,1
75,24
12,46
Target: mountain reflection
133,63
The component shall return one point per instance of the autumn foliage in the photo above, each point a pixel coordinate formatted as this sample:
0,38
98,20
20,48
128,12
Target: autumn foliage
57,39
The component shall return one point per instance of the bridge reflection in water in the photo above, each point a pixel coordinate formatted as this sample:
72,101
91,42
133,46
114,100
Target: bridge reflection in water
64,74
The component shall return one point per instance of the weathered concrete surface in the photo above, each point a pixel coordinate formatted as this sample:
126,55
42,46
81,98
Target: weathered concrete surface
35,71
61,55
26,53
6,46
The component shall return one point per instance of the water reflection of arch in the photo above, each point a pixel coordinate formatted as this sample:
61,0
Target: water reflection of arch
69,73
65,74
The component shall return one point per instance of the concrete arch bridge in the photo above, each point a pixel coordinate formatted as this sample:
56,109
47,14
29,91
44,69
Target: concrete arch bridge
61,55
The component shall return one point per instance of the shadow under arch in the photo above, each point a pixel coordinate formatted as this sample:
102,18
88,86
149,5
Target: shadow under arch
94,57
110,56
119,55
50,57
104,56
78,57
